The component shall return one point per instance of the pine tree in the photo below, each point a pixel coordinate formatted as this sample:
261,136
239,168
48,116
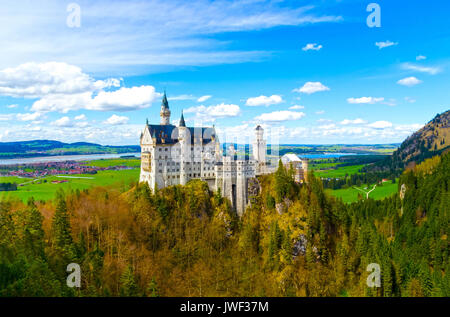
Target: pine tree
152,289
62,241
128,283
33,233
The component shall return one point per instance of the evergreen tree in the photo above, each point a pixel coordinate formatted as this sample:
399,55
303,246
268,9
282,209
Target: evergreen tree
62,241
128,283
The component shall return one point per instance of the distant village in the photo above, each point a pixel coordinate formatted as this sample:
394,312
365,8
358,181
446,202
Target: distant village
37,170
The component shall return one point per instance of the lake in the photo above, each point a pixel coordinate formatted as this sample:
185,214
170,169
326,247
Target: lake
325,155
62,158
92,157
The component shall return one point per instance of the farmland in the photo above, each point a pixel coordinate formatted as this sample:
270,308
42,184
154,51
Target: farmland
46,187
349,195
337,170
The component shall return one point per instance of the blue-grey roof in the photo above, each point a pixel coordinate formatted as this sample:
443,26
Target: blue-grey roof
164,102
170,134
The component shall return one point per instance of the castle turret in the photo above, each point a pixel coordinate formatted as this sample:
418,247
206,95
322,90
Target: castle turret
165,111
183,139
259,146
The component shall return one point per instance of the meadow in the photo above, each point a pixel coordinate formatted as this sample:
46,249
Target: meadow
44,189
129,162
349,195
338,172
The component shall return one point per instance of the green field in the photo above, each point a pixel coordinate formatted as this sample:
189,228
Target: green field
350,195
46,190
130,162
337,173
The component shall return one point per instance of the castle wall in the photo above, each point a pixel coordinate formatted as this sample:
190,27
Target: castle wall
165,164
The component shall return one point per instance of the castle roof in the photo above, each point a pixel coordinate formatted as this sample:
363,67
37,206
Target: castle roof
164,102
169,133
290,158
182,123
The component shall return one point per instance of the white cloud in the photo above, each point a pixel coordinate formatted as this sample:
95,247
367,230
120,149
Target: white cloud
365,100
62,122
6,117
63,87
355,121
80,131
422,69
385,44
410,100
82,124
380,124
391,102
124,99
296,107
312,87
408,128
12,106
264,101
212,113
320,112
409,81
29,116
327,126
182,97
116,120
420,57
312,46
140,34
35,80
203,98
80,117
279,116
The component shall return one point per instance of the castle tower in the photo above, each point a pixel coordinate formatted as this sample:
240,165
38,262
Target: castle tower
305,170
259,146
165,111
183,139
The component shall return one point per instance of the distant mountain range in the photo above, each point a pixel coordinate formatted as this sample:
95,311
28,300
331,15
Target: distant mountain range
49,148
433,139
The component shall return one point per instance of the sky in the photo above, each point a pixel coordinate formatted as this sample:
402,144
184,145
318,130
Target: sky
309,72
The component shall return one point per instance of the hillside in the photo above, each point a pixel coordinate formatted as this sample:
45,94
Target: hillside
49,147
432,139
294,240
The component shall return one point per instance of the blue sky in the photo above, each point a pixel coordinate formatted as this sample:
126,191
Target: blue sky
310,72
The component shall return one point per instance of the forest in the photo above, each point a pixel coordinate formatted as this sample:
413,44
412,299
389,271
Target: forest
293,240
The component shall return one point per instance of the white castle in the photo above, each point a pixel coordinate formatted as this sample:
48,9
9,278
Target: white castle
172,155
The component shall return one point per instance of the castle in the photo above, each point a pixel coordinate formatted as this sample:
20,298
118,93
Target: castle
172,155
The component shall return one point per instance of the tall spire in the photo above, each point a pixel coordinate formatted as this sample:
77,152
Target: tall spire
165,103
182,123
165,111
